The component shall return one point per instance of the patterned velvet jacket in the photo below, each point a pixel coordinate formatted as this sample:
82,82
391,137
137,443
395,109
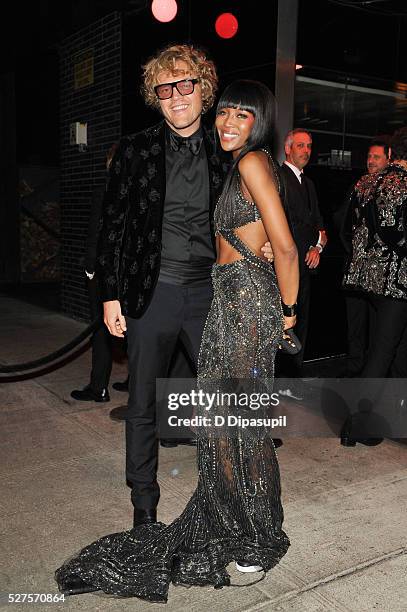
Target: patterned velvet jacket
379,235
129,248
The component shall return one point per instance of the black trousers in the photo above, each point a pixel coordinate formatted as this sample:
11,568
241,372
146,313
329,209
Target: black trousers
388,339
101,342
291,365
358,322
301,328
176,313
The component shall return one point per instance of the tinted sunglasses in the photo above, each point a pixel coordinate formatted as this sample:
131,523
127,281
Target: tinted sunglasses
184,87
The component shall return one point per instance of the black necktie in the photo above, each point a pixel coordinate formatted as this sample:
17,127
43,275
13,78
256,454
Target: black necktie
193,143
304,189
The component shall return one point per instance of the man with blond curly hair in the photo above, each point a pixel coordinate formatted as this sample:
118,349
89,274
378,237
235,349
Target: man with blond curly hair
157,245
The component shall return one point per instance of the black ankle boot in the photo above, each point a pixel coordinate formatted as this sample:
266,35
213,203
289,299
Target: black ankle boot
143,517
348,440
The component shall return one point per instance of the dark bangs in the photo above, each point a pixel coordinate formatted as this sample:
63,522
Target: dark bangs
256,98
236,96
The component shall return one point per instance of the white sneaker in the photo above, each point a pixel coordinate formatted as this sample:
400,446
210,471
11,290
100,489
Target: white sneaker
246,568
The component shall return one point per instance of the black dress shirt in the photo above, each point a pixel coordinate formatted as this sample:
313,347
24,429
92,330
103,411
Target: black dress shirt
187,252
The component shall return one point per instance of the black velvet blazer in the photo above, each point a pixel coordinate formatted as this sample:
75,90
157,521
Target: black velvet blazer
129,248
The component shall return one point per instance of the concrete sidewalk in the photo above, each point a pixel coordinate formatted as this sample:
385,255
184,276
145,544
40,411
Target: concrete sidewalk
62,486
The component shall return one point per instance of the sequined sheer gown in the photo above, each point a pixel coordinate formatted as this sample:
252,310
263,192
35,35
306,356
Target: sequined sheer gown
235,512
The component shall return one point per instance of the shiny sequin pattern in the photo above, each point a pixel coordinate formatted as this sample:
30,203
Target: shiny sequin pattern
235,511
379,250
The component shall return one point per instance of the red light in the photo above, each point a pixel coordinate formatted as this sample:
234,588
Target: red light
226,25
164,10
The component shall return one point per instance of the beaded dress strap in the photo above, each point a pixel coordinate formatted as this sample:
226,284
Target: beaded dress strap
275,168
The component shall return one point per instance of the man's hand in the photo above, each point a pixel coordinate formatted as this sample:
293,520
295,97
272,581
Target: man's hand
113,318
267,251
312,257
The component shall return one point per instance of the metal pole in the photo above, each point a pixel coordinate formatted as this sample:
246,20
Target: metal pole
9,201
285,71
345,100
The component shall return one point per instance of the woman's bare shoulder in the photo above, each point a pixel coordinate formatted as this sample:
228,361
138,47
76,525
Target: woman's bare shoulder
253,161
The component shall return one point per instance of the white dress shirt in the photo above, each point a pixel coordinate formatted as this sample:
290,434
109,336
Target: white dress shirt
297,171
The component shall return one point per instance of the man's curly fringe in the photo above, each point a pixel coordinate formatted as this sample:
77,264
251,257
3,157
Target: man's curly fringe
165,60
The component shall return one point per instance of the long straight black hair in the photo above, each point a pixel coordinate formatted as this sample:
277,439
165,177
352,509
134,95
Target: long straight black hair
255,97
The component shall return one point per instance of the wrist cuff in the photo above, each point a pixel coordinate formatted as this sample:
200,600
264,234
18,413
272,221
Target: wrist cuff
289,310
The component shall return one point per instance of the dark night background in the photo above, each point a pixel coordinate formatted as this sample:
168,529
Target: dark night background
360,43
331,35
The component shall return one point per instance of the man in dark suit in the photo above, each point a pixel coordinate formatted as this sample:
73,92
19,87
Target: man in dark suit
304,217
97,389
357,304
157,246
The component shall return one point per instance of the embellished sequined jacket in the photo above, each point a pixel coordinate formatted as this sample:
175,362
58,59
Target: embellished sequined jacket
129,248
378,262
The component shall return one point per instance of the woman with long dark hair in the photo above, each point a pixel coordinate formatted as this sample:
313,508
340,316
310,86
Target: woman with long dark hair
235,513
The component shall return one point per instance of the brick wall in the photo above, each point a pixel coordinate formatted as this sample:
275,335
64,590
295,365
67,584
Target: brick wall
97,103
